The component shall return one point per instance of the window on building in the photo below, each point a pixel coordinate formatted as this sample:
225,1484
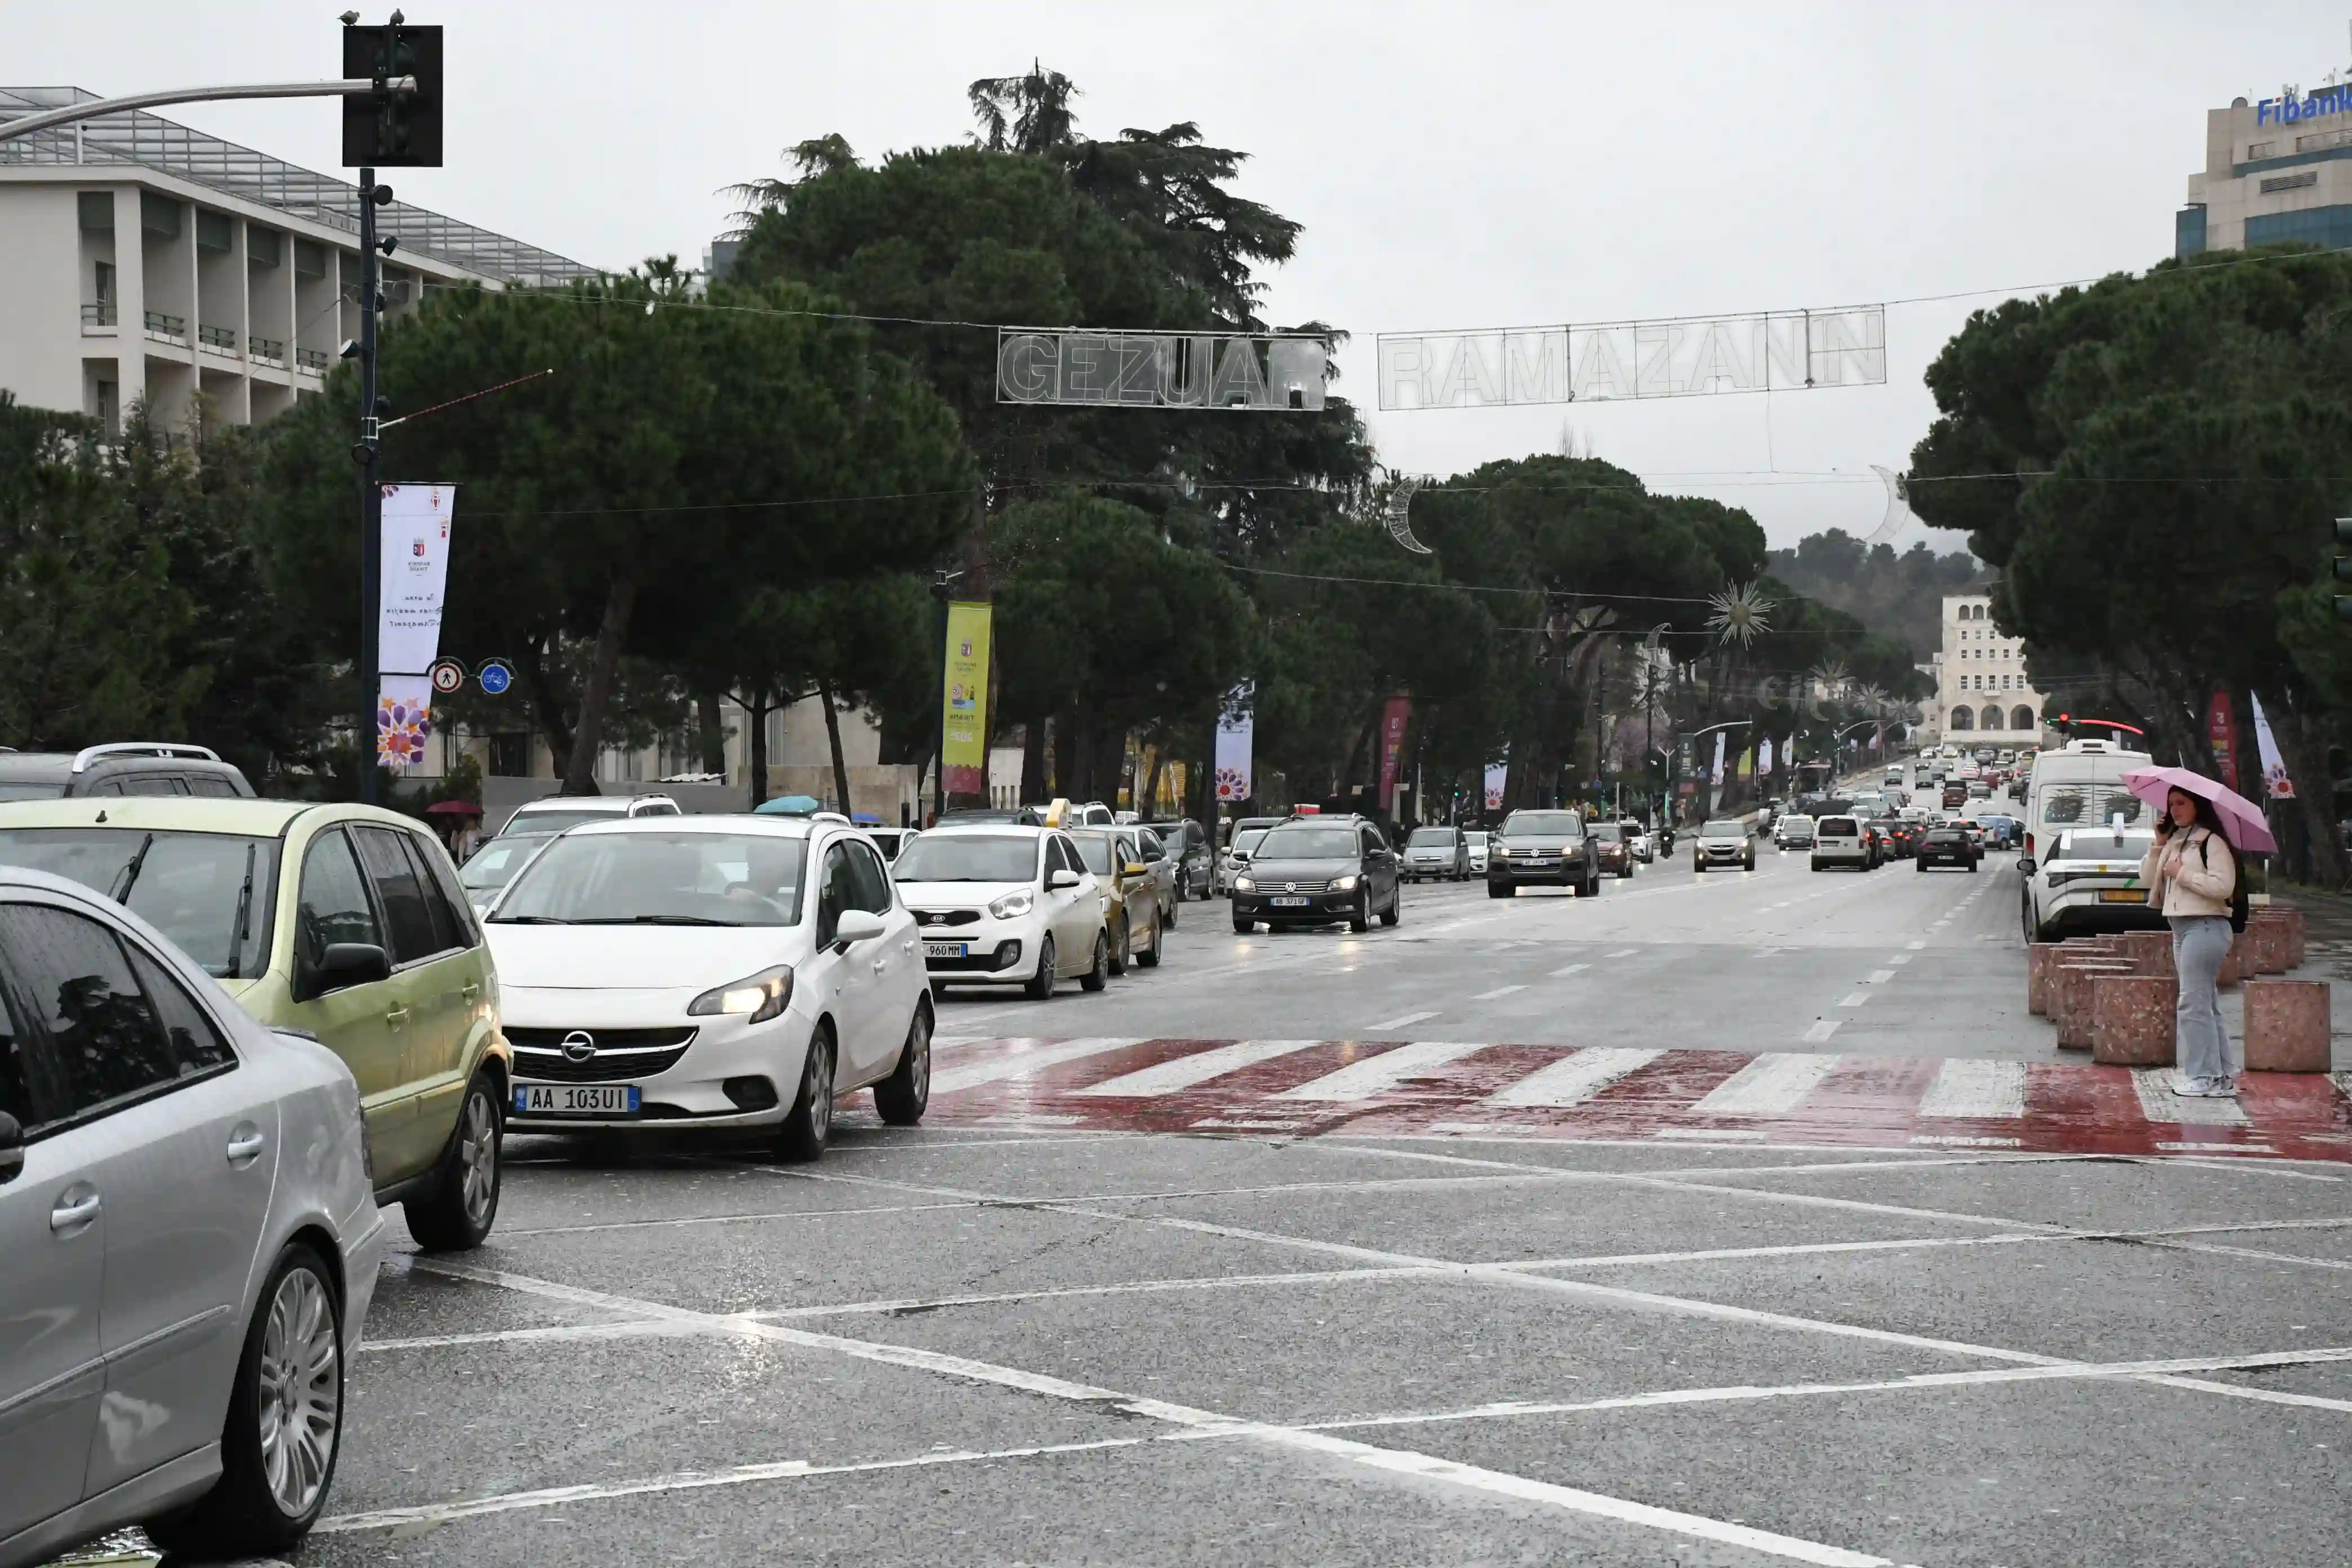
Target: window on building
1962,719
2022,719
2255,150
1992,717
2188,231
2328,227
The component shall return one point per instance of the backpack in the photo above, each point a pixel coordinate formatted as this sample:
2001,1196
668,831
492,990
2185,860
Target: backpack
2238,908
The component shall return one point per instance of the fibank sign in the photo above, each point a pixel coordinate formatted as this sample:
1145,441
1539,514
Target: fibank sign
2291,108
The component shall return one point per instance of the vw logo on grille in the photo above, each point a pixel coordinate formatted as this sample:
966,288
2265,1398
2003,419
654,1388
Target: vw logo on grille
579,1046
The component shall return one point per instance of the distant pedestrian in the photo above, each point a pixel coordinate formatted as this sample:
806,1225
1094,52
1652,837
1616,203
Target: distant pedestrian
2191,873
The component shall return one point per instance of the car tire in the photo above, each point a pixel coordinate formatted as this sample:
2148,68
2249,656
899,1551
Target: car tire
1698,866
1245,928
1119,953
454,1215
1149,957
809,1123
1972,867
1395,912
1167,921
1816,863
245,1514
1749,864
1922,866
1099,976
1499,890
1359,919
1041,985
901,1099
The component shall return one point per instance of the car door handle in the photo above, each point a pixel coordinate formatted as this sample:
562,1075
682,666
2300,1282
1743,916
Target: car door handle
397,1017
471,989
80,1212
245,1145
880,964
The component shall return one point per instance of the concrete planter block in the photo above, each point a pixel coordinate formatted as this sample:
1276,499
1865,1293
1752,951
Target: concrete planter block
2239,961
2267,940
2289,922
2287,1025
2072,995
2040,964
2149,951
2132,1019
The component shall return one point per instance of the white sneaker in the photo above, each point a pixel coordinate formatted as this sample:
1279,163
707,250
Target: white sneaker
2187,1087
2220,1089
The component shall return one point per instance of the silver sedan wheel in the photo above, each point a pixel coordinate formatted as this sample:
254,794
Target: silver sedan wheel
477,1157
300,1396
817,1084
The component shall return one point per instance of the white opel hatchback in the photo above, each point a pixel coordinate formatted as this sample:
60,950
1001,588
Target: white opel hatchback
710,972
1005,905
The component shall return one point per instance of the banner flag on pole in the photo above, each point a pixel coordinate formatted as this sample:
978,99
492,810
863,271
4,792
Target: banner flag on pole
1236,728
416,576
2275,782
964,718
1396,714
1497,775
1717,776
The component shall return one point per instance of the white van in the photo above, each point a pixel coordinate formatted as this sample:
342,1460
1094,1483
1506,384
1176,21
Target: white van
2082,878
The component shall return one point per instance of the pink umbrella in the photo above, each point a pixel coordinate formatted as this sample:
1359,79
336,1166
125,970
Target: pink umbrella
2241,819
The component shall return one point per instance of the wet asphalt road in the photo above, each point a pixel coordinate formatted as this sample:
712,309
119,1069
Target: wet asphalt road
967,1343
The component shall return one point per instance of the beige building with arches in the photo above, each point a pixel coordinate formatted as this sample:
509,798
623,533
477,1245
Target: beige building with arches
1982,691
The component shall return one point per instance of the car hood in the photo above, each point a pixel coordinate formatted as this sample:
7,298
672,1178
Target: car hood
639,958
957,895
1733,839
1303,870
1550,843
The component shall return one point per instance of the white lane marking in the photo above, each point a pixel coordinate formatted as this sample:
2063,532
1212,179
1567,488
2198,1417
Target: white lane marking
1572,969
1774,1084
1821,1031
1879,977
1498,991
1573,1079
1622,952
1376,1076
1854,999
1403,1021
1246,1125
1392,1461
1184,1072
2200,1148
1914,946
1898,958
1034,1058
1701,1134
2158,1103
1964,1088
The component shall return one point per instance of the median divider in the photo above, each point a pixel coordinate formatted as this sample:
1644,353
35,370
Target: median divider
2132,1019
2074,998
2289,1026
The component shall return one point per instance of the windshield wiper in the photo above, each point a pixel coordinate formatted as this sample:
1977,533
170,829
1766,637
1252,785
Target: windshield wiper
527,920
244,915
130,873
654,921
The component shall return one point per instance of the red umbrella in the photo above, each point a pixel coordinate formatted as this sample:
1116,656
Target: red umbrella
2241,819
453,808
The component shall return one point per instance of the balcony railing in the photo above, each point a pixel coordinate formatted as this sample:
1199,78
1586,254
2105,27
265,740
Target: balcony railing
97,312
273,349
174,328
219,338
312,360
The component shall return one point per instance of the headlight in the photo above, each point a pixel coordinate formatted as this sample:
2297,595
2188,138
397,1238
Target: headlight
761,996
1013,904
1243,885
1342,885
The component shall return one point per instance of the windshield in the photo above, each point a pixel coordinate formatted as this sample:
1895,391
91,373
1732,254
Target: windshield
555,820
20,790
493,866
2100,844
1308,844
1794,821
1543,824
660,879
1607,832
1096,853
1436,837
1838,827
2063,806
1245,841
1725,830
211,893
969,857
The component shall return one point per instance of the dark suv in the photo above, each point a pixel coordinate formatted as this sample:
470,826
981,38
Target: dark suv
1549,849
1313,870
119,768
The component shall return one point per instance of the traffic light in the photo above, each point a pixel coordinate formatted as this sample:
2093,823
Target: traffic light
2344,566
392,130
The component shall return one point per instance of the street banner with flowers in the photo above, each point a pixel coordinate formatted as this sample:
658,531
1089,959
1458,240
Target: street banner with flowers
414,566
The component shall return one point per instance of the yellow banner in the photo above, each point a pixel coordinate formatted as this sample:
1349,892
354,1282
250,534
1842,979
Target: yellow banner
964,720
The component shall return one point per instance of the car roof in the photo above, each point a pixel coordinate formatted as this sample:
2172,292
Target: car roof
738,824
612,803
183,813
995,829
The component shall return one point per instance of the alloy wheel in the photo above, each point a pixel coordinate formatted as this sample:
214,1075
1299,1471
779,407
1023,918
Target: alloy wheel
300,1395
477,1157
817,1084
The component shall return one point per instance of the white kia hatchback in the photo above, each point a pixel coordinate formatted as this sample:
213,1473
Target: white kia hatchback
1006,905
710,972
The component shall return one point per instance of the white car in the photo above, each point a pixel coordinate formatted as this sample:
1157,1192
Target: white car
1792,831
711,972
554,813
190,1241
1842,840
1006,905
1478,838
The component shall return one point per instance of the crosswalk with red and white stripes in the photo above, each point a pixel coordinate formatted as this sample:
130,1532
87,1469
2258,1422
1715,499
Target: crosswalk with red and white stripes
1304,1087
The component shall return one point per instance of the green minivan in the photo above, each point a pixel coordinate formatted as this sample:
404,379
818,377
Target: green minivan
343,923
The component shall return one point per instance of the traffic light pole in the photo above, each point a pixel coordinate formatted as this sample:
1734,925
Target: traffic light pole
371,494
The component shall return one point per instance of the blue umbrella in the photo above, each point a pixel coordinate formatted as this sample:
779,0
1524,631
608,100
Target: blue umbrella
790,806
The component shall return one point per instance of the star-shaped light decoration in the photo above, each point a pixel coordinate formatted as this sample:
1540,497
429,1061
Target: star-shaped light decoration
1741,612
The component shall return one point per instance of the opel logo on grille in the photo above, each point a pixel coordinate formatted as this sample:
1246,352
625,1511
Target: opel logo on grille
579,1046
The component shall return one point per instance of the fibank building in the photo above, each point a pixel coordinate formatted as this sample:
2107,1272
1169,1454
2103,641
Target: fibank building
2275,169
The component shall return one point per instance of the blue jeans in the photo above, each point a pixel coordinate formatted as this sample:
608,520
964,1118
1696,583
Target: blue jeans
2201,1042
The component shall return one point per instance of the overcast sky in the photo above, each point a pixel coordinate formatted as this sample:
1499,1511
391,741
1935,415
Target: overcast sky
1461,165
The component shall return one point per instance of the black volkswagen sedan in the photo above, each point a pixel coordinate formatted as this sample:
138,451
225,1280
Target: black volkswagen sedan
1315,871
1949,845
1543,849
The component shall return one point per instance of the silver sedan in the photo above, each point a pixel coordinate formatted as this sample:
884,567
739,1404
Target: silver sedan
191,1241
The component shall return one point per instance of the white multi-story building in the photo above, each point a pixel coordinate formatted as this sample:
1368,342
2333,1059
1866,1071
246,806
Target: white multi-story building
1980,684
141,258
2275,169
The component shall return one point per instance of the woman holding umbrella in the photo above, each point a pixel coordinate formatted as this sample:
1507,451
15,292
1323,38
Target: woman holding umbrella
2191,873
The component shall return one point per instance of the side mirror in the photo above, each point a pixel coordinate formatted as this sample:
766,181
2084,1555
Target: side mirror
2025,865
1061,878
12,1149
855,926
348,964
1136,868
